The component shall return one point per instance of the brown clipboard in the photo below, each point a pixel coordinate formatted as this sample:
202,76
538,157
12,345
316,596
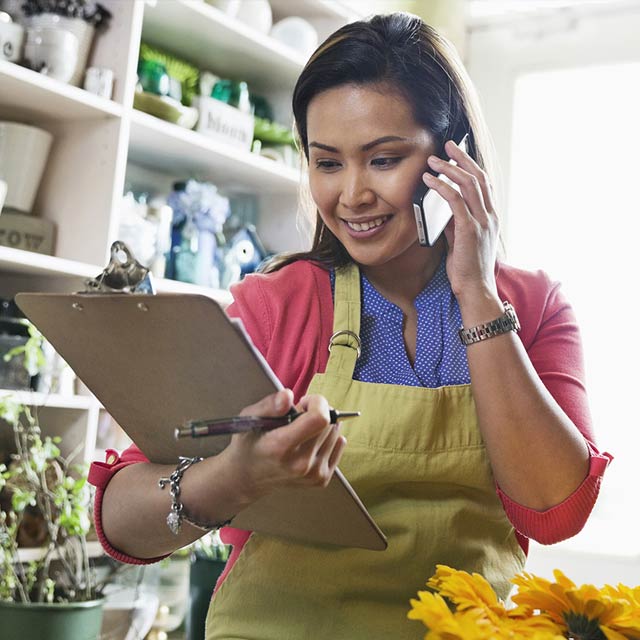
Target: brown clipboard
155,361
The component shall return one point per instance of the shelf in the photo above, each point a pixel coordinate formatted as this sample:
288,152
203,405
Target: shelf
27,262
25,94
31,263
222,296
36,553
50,401
210,39
168,148
323,9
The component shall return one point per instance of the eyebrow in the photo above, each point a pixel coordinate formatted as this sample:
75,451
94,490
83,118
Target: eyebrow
365,147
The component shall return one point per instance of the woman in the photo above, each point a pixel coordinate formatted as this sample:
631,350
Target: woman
466,447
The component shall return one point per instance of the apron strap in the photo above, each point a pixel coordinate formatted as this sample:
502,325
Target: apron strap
344,346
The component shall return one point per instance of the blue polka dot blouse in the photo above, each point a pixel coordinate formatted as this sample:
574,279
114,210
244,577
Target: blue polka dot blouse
441,358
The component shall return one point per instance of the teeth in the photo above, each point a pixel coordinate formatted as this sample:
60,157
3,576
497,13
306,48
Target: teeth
365,226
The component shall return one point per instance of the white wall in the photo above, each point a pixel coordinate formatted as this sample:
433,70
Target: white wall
608,549
496,56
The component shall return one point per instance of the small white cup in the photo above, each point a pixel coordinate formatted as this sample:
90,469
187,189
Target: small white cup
99,80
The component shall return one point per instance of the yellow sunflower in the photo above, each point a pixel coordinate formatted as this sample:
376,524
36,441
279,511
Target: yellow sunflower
479,613
470,591
585,611
444,624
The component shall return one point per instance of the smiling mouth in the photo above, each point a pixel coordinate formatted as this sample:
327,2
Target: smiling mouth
369,224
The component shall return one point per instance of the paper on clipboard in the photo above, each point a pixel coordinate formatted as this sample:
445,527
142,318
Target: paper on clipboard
156,361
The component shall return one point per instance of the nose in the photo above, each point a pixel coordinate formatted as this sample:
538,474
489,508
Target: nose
356,191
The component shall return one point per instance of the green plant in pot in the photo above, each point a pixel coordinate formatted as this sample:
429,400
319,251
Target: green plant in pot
55,596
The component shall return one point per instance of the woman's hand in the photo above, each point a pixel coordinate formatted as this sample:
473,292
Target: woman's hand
472,233
304,453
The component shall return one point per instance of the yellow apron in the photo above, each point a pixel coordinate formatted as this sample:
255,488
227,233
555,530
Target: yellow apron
418,462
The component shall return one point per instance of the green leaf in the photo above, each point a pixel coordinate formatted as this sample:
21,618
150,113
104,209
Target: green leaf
11,410
21,499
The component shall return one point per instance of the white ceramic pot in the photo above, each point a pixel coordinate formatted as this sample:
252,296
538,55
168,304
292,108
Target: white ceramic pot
296,33
11,39
81,29
23,156
52,52
3,193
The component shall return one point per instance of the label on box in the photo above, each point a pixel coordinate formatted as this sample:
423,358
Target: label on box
21,231
223,122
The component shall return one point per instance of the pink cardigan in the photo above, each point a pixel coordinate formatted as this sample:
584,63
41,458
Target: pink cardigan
289,315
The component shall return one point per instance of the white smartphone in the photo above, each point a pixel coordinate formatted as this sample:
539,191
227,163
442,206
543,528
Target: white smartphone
431,210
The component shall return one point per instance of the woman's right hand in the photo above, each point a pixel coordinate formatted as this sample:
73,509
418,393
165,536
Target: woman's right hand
304,453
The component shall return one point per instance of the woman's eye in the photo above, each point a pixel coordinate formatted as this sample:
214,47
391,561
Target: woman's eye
326,164
385,162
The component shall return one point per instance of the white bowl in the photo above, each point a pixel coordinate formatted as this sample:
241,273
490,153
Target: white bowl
23,156
296,33
11,39
256,14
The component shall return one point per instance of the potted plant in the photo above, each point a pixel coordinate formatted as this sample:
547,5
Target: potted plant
79,17
55,596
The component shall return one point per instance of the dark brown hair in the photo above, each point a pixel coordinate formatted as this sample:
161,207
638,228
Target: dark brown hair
400,51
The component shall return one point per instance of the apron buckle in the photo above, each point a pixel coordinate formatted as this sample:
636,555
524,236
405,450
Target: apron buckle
347,343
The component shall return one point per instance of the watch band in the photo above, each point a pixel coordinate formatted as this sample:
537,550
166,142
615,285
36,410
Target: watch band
505,323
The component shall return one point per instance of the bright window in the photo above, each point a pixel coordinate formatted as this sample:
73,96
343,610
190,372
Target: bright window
574,211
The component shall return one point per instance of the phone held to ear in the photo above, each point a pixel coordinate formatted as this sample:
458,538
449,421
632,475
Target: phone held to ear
431,210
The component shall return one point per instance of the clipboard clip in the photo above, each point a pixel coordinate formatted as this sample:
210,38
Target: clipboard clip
123,274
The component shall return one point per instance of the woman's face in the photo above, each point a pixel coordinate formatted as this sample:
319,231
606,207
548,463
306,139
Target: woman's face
367,154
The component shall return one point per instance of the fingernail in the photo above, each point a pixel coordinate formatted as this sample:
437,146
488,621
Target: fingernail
435,160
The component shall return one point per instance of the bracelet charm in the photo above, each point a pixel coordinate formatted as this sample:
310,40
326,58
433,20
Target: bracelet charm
177,513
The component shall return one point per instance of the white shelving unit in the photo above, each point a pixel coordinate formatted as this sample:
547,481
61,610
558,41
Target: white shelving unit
99,144
51,400
32,95
161,146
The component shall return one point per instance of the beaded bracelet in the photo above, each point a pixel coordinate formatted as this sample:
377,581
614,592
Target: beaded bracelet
177,513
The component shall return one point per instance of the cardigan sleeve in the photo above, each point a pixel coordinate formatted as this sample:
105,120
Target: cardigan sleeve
100,473
552,340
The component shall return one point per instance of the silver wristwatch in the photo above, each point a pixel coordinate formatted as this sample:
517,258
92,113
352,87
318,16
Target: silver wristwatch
505,323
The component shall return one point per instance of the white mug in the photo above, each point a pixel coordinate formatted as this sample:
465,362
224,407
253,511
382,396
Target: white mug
11,41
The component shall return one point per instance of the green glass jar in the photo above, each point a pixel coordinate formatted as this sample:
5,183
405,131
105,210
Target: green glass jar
153,77
235,94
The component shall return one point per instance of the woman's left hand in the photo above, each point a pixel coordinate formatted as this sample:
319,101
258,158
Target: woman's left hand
472,233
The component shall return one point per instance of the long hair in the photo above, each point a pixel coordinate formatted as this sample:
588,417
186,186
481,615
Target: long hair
401,51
